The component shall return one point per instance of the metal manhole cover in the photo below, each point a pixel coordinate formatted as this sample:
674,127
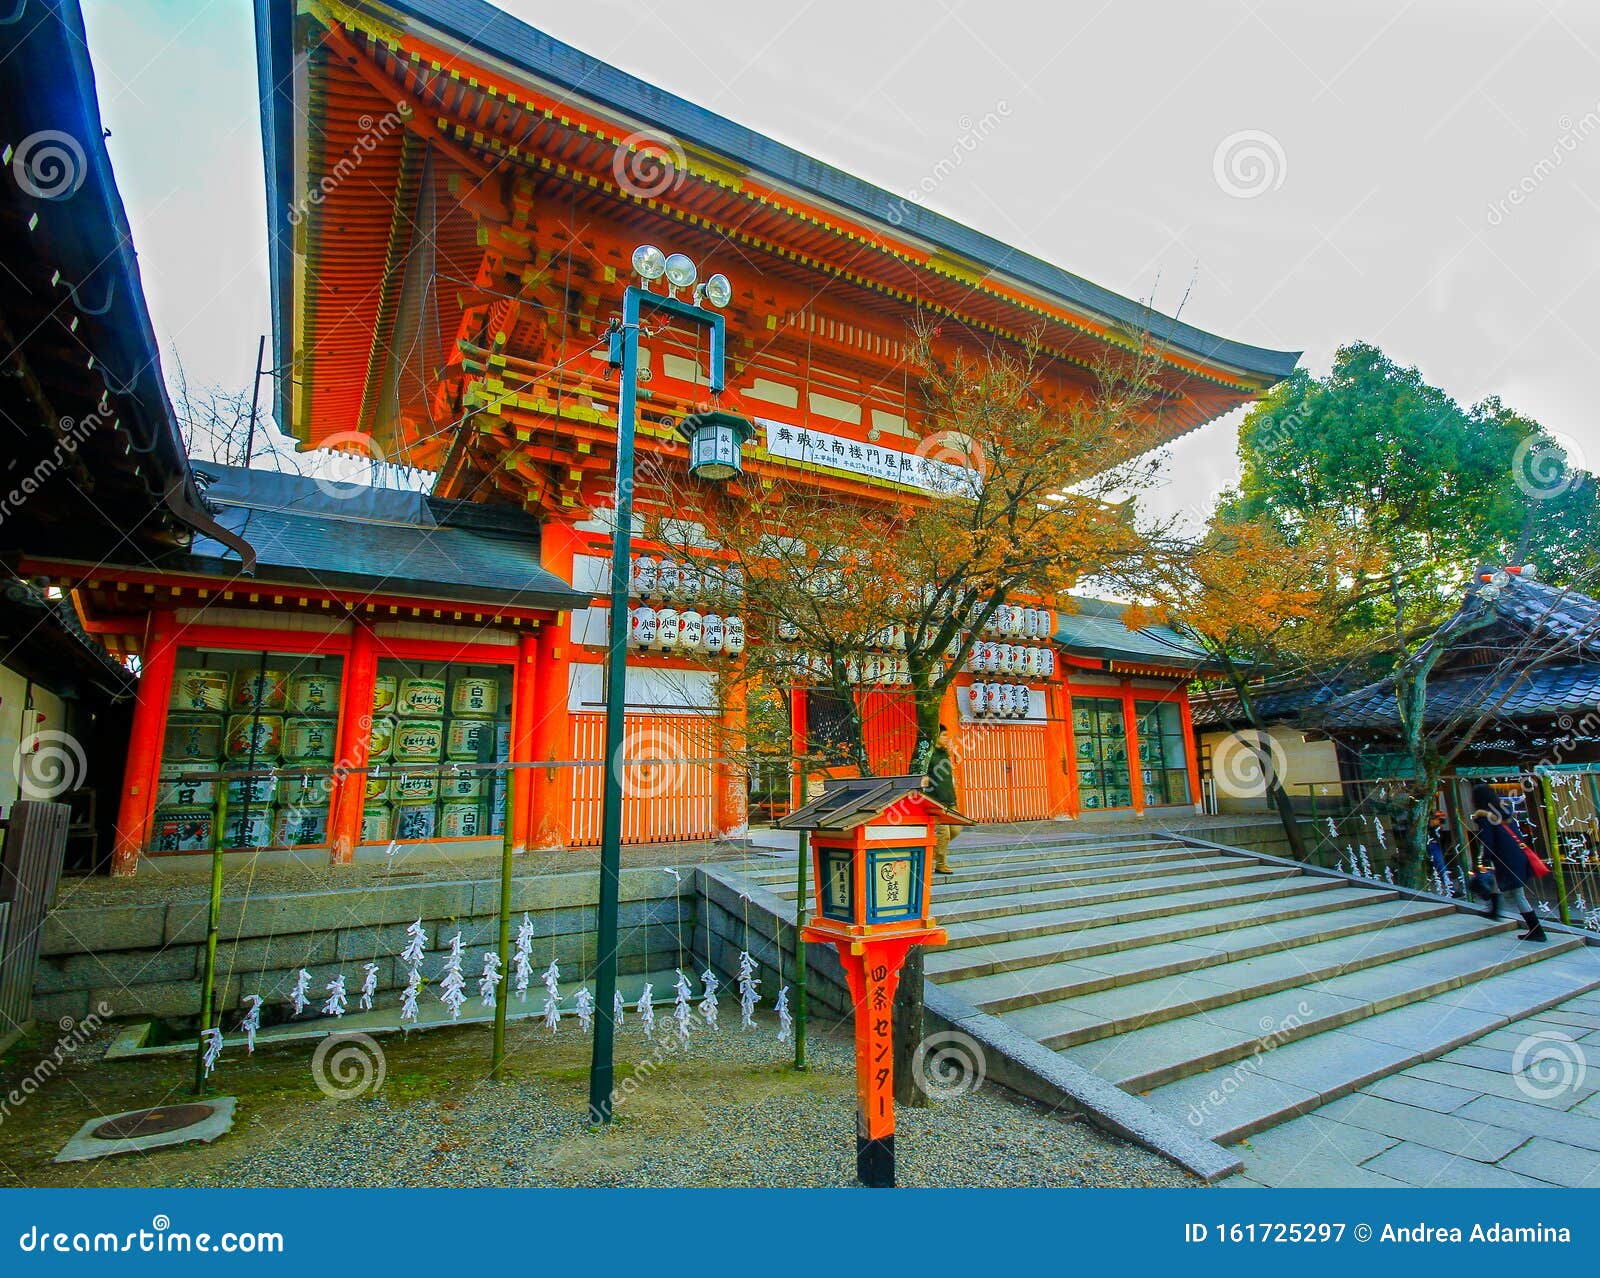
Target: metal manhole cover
151,1122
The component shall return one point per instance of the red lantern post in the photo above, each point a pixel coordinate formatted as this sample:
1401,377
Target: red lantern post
872,862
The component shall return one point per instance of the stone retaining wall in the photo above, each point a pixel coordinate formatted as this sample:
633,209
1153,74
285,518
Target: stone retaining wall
146,960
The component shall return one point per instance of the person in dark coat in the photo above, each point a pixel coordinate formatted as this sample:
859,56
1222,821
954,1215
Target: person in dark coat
1503,852
940,783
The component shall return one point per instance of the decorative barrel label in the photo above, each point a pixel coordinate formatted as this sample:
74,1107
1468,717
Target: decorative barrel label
470,739
419,742
413,787
260,690
316,694
421,697
192,738
183,830
375,823
413,821
310,739
475,696
385,689
461,819
200,690
257,736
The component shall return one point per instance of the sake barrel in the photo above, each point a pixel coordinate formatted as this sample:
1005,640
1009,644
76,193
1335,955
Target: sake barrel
376,821
377,785
380,740
414,787
470,739
247,828
475,695
461,785
253,736
173,793
418,741
308,740
200,689
259,690
461,819
385,691
502,740
314,694
421,698
183,830
295,826
191,738
305,792
413,821
255,792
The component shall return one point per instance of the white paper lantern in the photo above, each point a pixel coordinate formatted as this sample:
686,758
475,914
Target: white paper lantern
733,636
1030,623
902,671
852,669
689,583
691,631
1007,659
991,698
667,629
788,631
871,668
975,700
713,634
669,578
644,575
642,626
1049,661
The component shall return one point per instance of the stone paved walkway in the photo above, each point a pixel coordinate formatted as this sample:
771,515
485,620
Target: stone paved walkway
1517,1107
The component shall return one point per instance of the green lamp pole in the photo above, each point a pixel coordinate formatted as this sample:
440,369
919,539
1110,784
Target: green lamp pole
714,444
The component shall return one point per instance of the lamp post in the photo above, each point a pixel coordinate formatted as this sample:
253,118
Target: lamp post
710,458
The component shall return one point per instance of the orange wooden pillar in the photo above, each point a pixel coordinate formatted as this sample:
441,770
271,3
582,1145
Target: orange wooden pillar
145,742
731,793
1191,753
355,736
1058,768
797,745
524,738
550,729
1130,724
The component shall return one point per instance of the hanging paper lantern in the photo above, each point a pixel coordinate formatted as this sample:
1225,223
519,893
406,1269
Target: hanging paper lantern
689,581
668,578
642,626
733,636
667,629
691,631
716,443
644,575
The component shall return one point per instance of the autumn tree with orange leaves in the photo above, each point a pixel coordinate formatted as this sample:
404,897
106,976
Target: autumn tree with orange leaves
1027,498
1256,600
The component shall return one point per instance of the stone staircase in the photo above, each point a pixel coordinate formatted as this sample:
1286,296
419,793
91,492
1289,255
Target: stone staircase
1231,991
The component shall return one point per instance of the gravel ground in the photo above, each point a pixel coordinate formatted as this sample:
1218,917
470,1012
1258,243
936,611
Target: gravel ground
729,1112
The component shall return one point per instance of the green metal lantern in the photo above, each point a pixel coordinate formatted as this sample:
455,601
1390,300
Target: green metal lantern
716,440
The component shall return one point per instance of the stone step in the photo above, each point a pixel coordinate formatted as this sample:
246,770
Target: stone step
1350,964
980,867
1295,1076
1160,1053
1422,923
947,889
947,964
1268,883
1209,871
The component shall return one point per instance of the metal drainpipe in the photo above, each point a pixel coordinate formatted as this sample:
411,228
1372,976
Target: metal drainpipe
200,519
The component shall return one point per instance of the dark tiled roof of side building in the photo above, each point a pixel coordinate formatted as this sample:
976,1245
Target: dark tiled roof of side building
1095,629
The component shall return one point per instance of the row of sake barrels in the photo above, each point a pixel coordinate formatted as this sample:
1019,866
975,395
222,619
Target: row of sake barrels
266,691
999,700
868,667
180,786
263,737
666,578
469,696
452,819
1011,659
1025,623
197,829
668,630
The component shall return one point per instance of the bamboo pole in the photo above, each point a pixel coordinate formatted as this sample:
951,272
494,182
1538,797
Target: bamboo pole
1553,822
802,873
497,1062
208,980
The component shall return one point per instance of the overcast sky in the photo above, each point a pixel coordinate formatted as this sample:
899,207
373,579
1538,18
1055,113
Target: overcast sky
1422,175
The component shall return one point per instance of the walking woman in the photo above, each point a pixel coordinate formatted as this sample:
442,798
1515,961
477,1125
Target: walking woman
1505,853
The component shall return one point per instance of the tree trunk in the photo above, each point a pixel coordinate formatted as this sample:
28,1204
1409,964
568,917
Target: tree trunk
909,1031
1269,774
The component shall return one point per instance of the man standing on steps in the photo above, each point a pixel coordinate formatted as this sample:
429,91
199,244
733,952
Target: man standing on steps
940,782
